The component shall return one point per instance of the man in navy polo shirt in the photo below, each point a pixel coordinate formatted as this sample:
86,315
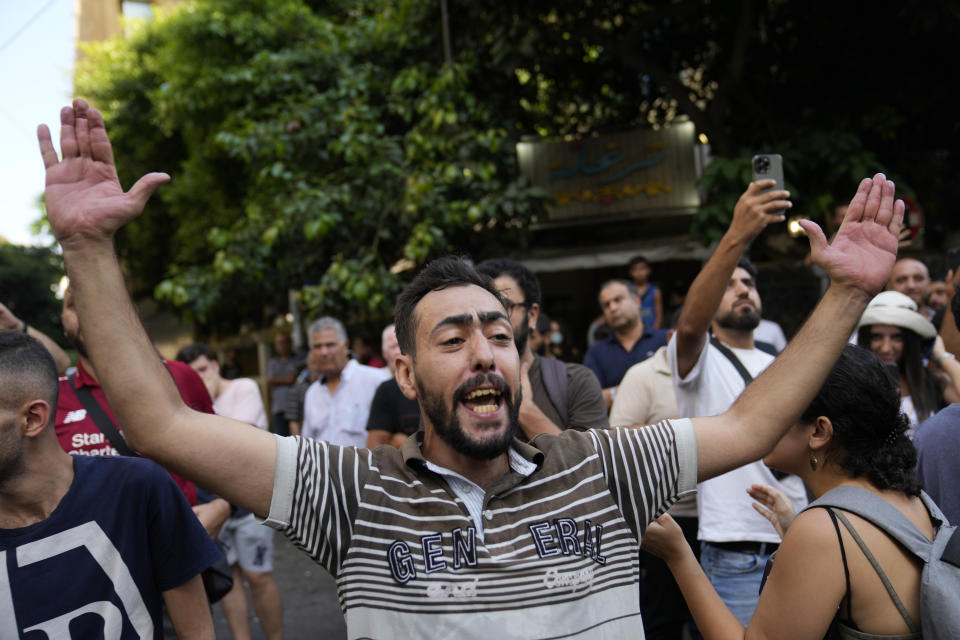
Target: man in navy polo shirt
629,342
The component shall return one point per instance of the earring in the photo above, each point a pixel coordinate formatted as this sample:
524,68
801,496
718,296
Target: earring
813,462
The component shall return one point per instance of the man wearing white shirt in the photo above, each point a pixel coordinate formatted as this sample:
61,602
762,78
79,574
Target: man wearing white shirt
337,405
735,539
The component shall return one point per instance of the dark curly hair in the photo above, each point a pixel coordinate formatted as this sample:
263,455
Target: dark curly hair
861,399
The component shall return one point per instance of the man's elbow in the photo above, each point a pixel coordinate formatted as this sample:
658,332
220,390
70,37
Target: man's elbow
151,432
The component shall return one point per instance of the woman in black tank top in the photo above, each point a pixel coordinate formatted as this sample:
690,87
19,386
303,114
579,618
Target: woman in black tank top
823,582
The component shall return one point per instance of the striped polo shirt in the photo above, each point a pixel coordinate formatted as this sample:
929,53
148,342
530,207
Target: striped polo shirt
558,557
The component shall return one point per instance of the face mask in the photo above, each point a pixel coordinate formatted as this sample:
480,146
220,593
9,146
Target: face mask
556,338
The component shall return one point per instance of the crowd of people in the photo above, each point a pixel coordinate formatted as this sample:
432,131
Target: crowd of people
467,481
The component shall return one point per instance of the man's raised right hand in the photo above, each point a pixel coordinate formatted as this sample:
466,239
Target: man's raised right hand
755,210
84,199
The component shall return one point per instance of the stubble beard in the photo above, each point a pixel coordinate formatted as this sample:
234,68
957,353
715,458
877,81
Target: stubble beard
12,458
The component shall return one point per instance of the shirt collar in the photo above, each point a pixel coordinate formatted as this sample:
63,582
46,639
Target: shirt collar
660,362
82,377
345,373
647,332
523,458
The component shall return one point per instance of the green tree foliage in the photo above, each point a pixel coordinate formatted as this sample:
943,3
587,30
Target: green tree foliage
28,280
308,151
316,145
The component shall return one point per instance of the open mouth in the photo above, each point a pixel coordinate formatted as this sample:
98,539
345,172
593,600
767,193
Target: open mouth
483,401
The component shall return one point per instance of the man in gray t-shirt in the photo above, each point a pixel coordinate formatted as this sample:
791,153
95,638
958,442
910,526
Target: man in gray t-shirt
565,395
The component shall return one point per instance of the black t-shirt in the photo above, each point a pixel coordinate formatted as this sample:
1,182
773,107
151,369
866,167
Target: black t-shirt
392,411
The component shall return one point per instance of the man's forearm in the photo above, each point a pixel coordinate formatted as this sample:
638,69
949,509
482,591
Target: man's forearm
776,399
59,355
712,616
533,421
129,374
708,287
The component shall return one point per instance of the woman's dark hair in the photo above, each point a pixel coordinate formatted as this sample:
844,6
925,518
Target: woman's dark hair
924,391
870,437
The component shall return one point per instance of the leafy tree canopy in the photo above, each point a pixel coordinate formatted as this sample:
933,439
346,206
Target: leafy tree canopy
330,154
328,146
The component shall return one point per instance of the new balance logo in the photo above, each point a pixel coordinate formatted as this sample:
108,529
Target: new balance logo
75,416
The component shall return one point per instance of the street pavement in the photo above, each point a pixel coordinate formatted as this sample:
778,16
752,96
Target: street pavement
310,606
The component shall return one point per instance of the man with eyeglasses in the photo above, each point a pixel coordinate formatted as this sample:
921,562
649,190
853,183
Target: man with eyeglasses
565,395
629,342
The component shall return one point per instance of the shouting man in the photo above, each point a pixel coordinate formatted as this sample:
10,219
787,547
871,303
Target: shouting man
465,529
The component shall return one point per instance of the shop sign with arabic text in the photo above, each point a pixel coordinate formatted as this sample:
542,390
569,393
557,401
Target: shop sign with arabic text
615,174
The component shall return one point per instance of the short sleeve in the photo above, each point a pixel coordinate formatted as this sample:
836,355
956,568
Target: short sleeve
181,547
585,406
382,414
590,362
316,494
692,380
247,405
191,386
648,469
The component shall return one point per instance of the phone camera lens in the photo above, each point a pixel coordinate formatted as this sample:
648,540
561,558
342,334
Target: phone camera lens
761,165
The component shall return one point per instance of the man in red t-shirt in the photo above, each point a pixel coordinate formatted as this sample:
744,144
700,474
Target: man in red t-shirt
79,434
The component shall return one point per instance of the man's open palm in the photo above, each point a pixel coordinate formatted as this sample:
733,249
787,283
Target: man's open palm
83,195
865,247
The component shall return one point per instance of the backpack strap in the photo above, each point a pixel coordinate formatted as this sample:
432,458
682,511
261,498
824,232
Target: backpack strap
843,557
883,515
734,360
766,347
555,380
883,576
747,378
101,419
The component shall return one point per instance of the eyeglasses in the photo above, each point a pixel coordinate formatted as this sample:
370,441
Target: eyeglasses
511,305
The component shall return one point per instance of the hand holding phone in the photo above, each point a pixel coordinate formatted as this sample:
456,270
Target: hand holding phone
769,166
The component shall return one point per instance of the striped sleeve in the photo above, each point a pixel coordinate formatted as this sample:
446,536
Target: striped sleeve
648,469
316,493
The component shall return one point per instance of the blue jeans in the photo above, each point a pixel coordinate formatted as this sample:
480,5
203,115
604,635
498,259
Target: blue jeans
736,577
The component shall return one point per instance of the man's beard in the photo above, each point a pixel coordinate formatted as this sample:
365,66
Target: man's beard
446,424
77,343
739,320
12,458
521,339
